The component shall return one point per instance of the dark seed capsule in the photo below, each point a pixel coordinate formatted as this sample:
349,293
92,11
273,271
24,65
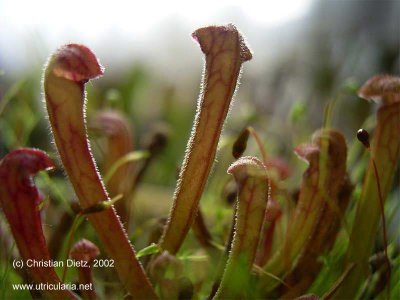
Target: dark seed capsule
240,144
363,137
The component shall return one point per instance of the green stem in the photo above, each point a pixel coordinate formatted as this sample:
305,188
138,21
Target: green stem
251,177
386,153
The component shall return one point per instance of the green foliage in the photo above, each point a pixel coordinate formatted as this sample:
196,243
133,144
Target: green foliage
149,250
22,124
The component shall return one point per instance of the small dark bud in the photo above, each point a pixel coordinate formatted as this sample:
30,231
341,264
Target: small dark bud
230,192
377,261
186,289
363,137
157,139
241,143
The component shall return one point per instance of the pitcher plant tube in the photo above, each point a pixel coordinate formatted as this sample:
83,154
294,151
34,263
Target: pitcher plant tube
65,76
225,50
21,201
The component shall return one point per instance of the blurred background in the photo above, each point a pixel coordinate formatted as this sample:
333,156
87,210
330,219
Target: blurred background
307,54
310,57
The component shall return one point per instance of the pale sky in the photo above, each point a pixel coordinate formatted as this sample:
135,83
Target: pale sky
28,26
